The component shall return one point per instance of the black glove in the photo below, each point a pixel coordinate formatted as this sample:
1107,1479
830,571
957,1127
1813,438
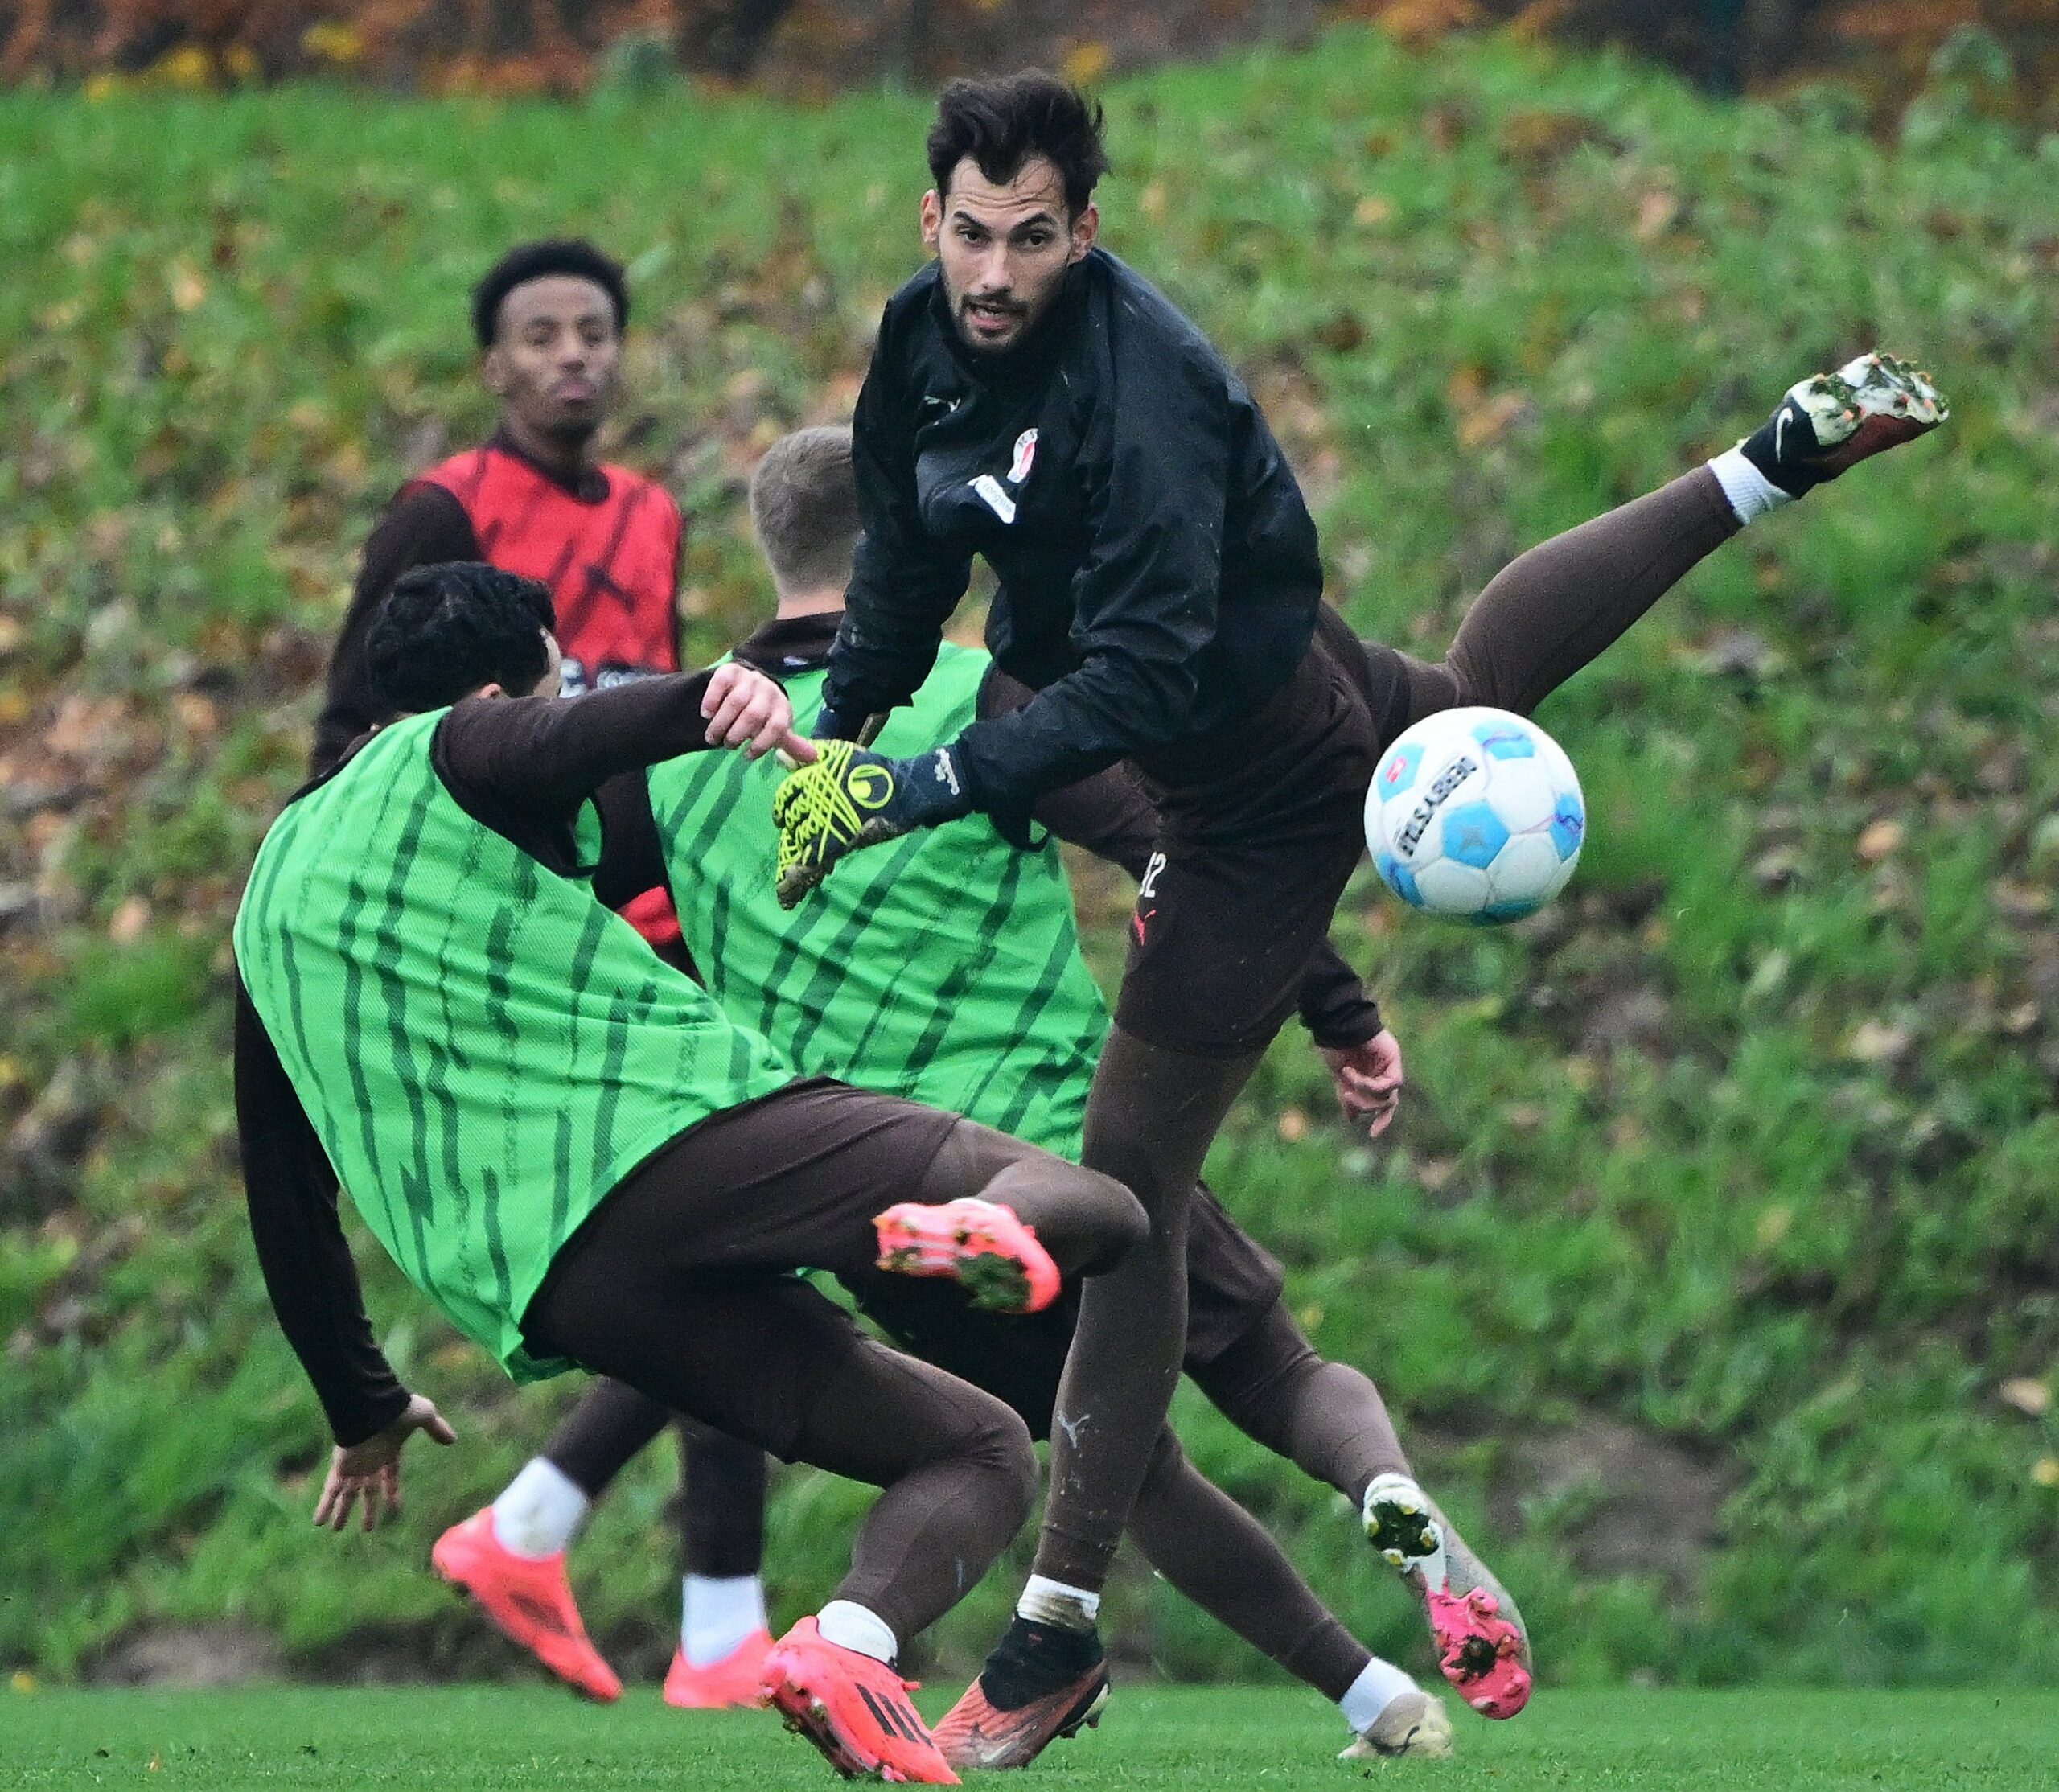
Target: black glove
852,797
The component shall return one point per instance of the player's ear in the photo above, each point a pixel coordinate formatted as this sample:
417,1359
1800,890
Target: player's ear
932,220
1085,228
493,370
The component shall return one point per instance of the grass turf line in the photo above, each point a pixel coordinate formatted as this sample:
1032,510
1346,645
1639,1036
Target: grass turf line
444,1738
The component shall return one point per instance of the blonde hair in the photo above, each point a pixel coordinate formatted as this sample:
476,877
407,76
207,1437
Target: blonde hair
804,506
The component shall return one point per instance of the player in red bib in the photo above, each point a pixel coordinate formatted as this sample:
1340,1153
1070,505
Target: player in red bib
536,501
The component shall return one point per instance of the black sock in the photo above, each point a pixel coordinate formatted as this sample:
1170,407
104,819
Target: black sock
1031,1660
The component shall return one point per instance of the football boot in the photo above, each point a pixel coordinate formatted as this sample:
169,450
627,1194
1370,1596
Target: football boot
1041,1682
1411,1724
529,1601
1482,1649
979,1244
723,1685
853,1709
1831,422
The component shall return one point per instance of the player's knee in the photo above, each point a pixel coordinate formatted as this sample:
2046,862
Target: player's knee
1000,1446
1121,1223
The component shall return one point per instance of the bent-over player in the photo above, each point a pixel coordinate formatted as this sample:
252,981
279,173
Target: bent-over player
580,1159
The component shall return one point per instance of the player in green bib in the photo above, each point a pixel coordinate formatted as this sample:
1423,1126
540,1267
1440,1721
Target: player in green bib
899,983
580,1159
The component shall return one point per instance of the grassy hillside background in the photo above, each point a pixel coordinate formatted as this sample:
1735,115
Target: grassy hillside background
1712,1271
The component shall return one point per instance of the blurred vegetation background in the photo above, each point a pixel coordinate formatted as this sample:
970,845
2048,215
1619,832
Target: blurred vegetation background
1712,1271
1878,49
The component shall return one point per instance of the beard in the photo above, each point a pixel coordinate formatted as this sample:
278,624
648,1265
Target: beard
1020,316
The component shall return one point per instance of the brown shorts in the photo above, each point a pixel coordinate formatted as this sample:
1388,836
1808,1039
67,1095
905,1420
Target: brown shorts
789,1182
1261,824
682,1283
1233,1283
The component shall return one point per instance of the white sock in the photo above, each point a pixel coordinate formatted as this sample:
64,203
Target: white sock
1372,1692
540,1512
718,1615
852,1626
1047,1601
1750,492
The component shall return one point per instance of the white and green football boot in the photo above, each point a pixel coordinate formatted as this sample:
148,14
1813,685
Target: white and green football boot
1831,422
1413,1723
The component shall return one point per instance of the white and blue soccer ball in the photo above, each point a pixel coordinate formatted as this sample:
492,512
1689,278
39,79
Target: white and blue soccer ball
1476,813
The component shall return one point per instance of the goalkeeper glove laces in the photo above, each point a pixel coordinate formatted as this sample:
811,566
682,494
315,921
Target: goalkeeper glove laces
852,797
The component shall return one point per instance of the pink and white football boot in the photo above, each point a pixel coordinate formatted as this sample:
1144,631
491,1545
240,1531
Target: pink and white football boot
1482,1647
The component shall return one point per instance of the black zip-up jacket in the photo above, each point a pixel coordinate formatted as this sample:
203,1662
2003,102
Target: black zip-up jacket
1158,567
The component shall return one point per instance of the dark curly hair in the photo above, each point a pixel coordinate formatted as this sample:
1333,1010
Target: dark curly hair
445,630
528,262
1002,123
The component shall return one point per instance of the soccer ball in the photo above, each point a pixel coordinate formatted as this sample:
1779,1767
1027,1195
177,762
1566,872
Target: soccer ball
1476,813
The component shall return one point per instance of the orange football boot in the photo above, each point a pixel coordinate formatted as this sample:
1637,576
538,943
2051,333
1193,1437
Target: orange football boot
529,1601
979,1244
1039,1684
853,1709
721,1685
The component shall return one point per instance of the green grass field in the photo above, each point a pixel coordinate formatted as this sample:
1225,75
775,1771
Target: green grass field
1165,1737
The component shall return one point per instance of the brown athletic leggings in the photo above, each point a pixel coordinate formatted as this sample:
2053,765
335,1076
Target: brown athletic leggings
1207,1546
722,1479
1215,1553
1326,1417
1557,608
1255,844
681,1287
1330,1422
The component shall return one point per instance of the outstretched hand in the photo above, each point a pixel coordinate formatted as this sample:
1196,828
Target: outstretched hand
372,1470
747,710
1368,1080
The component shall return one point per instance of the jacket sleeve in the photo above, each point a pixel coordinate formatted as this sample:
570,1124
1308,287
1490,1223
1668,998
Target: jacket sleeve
1107,814
291,1190
424,526
1144,602
1334,1006
903,586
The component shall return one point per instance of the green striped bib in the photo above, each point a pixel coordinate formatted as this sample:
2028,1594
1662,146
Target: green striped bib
484,1051
944,966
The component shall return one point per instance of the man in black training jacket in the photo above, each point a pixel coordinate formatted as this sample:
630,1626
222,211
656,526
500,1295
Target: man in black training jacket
1033,401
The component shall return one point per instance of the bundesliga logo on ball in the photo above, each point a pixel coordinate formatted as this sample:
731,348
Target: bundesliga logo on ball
1478,814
